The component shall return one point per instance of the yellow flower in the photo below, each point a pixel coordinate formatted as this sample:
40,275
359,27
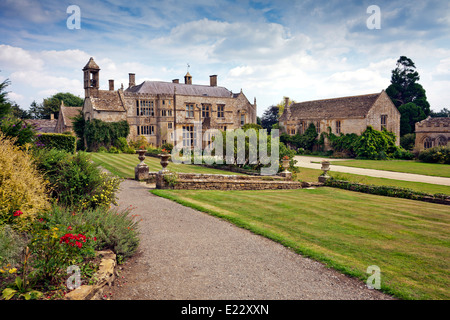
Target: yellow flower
13,270
2,271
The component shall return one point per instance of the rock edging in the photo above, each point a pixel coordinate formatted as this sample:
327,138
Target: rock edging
105,276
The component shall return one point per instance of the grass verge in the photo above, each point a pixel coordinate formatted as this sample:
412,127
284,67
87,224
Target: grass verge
405,166
307,174
345,230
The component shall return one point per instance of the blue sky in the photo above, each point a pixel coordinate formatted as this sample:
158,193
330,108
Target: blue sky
305,50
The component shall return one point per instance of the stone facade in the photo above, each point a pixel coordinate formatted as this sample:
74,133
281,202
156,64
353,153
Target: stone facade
343,115
157,109
432,132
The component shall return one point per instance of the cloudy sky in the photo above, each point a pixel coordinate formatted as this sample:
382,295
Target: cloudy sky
303,49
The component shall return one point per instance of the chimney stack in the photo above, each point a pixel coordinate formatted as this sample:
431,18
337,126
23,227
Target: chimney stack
132,80
111,85
213,80
176,80
287,108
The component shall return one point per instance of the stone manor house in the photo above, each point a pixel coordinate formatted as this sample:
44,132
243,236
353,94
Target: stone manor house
155,109
432,132
343,115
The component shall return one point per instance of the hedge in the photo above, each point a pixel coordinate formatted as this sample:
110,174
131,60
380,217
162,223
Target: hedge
388,191
58,141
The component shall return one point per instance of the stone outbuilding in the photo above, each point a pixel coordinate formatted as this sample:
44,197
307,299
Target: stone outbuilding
432,132
155,109
343,115
65,118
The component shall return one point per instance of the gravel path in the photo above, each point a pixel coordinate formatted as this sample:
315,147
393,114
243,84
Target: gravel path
306,162
188,255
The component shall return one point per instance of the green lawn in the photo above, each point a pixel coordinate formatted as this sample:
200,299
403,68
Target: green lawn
406,166
123,165
349,231
307,174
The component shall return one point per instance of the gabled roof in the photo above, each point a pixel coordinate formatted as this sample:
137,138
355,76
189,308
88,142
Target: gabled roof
345,107
107,101
66,114
160,87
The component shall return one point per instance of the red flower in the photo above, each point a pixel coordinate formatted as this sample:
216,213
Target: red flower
69,228
17,213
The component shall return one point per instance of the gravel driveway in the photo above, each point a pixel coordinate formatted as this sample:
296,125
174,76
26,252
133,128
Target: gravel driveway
188,255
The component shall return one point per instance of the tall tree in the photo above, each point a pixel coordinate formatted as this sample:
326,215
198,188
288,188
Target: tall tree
5,105
407,94
269,118
52,105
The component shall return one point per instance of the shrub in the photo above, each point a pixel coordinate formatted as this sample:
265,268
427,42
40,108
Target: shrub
22,187
408,141
17,129
113,229
57,141
113,149
102,149
75,181
167,146
436,155
121,144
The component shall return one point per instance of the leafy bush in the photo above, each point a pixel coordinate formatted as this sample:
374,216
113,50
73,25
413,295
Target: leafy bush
13,127
113,149
167,146
75,181
121,144
408,141
22,187
57,141
436,155
113,229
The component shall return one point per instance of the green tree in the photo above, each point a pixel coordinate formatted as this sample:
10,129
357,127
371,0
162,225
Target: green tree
442,113
5,105
406,93
52,105
410,113
269,118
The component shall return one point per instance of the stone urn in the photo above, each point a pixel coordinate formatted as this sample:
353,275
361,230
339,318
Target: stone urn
164,161
141,153
141,170
285,164
325,167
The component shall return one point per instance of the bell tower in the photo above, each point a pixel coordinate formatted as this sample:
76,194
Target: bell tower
91,79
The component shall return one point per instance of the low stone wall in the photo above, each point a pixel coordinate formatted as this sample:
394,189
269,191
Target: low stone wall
190,181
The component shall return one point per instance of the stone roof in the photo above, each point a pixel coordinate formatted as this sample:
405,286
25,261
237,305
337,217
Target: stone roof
68,113
160,87
435,122
108,101
43,125
91,65
345,107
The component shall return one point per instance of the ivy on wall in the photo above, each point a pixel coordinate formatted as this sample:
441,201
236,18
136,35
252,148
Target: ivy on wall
95,133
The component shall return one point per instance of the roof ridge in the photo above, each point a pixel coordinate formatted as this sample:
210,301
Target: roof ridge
346,97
